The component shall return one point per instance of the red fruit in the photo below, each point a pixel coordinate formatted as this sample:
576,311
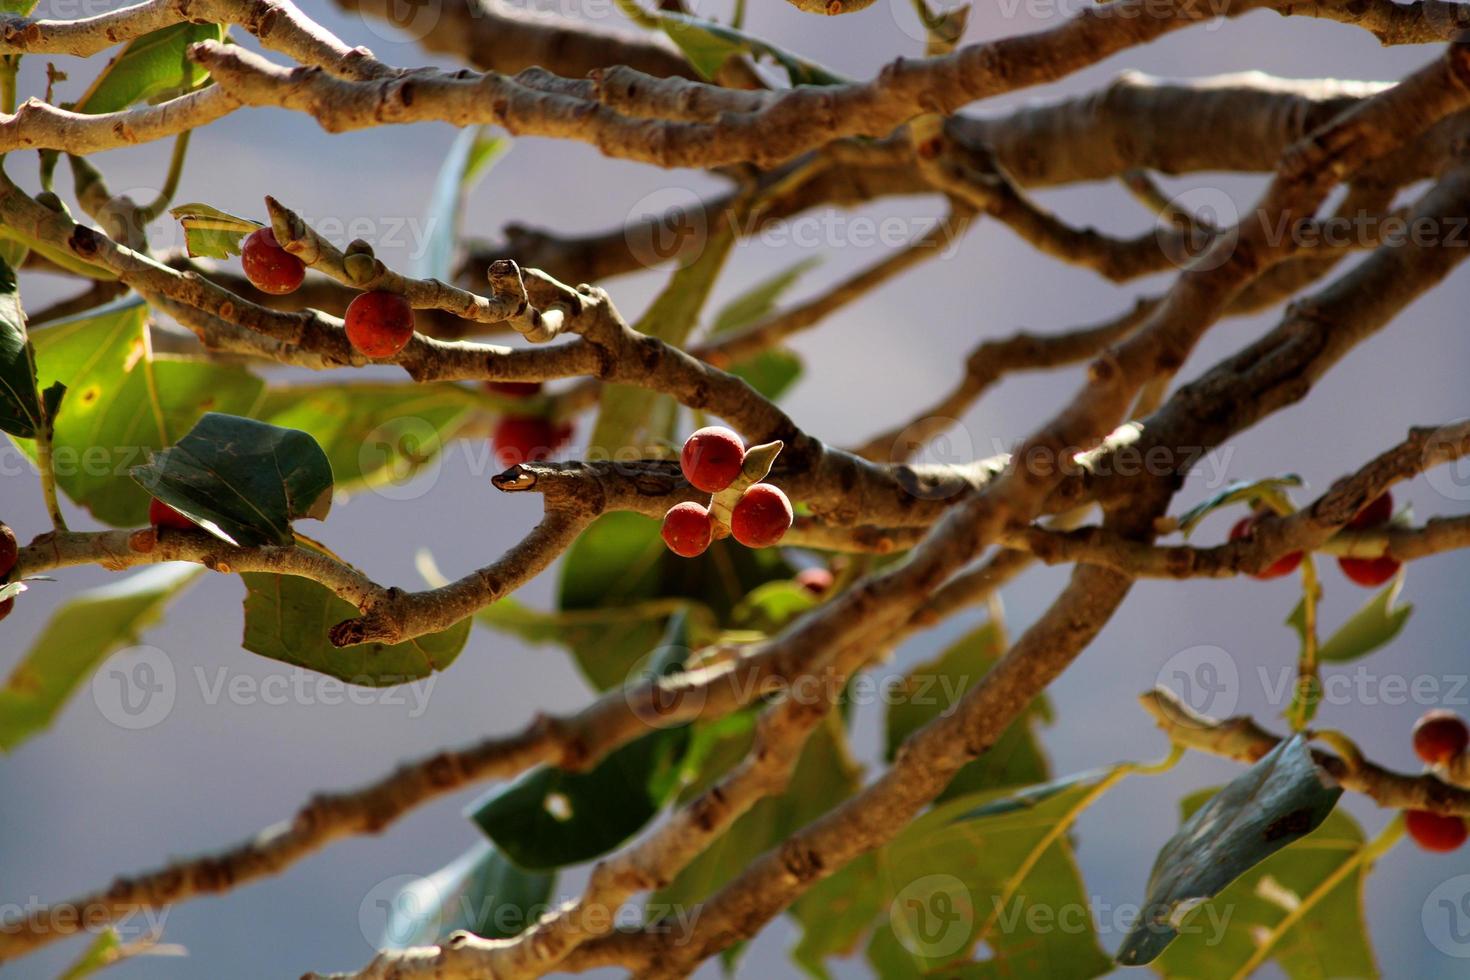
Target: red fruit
9,550
380,324
1435,832
6,606
1371,572
1284,565
161,514
1439,736
712,458
514,389
688,529
815,580
525,439
761,516
268,266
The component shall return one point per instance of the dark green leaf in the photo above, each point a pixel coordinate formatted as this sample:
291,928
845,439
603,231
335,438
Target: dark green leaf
1304,902
480,891
1271,488
933,687
287,618
80,634
150,66
210,232
121,403
241,480
1279,800
707,45
20,405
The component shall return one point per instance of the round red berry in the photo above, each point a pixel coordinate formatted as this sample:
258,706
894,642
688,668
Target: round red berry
161,514
6,606
815,580
524,439
712,458
1284,565
9,550
1376,512
514,389
688,529
761,516
268,266
1371,572
1440,736
1434,831
380,324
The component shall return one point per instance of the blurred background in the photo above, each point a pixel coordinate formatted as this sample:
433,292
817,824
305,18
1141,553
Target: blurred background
87,800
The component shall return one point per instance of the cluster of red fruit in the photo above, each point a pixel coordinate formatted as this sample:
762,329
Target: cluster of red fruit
1368,572
1440,737
525,438
712,460
379,323
9,554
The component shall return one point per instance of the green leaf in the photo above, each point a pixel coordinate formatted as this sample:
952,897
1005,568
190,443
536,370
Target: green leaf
480,891
153,65
621,561
977,869
210,232
17,240
707,45
933,687
469,157
20,403
122,402
623,419
1371,627
759,301
1302,907
1279,800
13,252
100,953
550,818
21,8
1270,489
241,480
769,607
825,776
373,434
81,633
287,618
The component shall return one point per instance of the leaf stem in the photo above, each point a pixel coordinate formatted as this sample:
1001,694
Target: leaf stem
1304,694
156,207
47,469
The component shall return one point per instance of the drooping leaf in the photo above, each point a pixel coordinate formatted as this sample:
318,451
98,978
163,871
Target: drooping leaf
241,480
153,65
100,953
550,818
122,402
933,687
708,45
469,157
1372,626
1302,907
287,618
480,891
769,607
1271,488
1279,800
81,633
210,232
759,301
20,402
976,870
373,434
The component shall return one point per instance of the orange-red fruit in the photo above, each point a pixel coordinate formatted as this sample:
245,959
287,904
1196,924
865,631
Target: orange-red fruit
1436,832
526,439
268,266
688,529
761,516
9,550
1440,736
1284,565
379,323
6,606
514,389
1371,572
161,514
815,580
712,458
